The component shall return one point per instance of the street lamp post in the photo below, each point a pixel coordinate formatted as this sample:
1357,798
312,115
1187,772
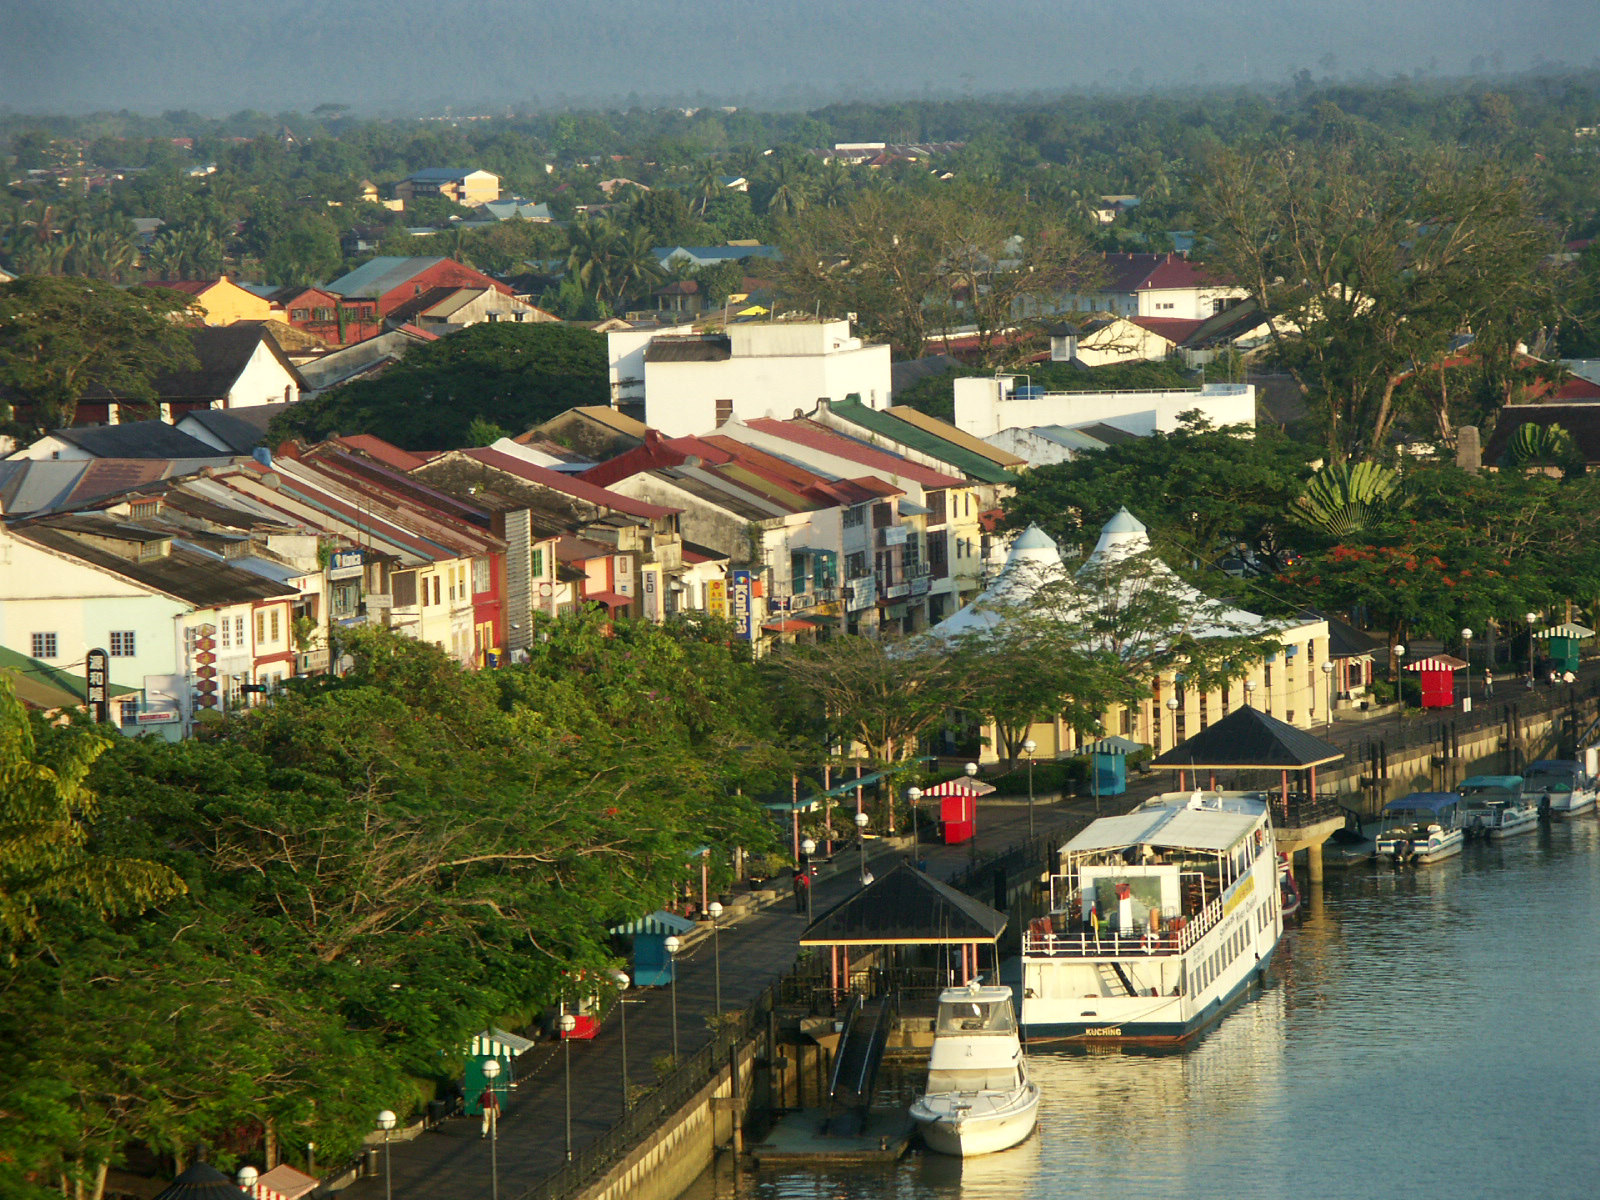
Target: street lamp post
386,1122
1466,653
1399,691
247,1176
1172,707
491,1071
1250,692
1532,619
972,842
861,837
568,1024
623,982
914,798
714,910
1327,671
672,945
1028,747
808,848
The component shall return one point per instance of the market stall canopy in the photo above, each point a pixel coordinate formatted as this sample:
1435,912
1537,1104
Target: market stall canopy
1438,662
959,786
497,1043
906,908
1249,739
659,924
1115,744
283,1182
1565,630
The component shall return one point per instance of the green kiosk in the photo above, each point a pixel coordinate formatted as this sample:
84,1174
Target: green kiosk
491,1043
1561,644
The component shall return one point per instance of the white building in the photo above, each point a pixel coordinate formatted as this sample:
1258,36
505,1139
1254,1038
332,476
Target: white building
692,384
984,407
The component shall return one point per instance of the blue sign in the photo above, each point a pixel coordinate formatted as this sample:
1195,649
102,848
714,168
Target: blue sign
740,602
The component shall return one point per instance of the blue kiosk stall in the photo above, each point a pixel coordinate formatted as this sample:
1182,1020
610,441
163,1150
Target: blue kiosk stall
652,965
1108,765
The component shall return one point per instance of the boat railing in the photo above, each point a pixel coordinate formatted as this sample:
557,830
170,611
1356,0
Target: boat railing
1040,939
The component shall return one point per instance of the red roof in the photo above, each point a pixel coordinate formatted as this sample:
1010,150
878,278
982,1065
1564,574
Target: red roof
819,437
1140,272
567,485
384,452
657,451
609,599
1175,329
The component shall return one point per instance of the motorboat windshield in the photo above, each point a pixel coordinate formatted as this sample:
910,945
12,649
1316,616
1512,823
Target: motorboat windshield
976,1016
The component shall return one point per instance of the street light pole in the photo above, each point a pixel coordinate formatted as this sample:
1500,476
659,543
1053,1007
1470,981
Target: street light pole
1466,653
808,848
1028,747
568,1024
972,842
672,945
623,982
1399,691
491,1071
714,909
1327,670
247,1176
1172,707
914,798
1532,619
1250,692
861,837
386,1122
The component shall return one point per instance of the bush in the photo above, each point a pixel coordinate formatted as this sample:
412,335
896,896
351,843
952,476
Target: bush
1054,775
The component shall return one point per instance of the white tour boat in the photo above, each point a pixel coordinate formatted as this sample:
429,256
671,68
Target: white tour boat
1560,787
1421,828
1493,807
979,1097
1161,920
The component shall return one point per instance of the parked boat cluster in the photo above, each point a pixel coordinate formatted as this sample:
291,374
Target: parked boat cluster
1425,827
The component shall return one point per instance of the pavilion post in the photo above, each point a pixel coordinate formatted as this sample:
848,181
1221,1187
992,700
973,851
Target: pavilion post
827,808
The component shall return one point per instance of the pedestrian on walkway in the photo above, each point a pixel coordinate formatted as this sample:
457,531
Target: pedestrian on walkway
490,1103
1488,685
802,886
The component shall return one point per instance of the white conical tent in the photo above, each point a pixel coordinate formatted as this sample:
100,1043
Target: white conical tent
1033,564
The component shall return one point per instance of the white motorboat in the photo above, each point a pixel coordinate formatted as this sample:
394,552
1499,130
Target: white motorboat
979,1098
1493,807
1421,828
1560,787
1161,921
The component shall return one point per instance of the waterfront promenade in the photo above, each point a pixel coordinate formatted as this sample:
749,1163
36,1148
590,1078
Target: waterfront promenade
756,949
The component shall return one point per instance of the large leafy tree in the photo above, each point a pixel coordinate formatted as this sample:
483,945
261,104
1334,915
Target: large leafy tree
61,337
510,375
1372,260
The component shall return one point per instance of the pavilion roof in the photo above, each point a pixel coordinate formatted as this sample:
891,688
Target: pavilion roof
1249,739
906,908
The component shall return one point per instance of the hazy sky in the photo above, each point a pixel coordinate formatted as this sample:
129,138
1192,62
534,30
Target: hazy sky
218,56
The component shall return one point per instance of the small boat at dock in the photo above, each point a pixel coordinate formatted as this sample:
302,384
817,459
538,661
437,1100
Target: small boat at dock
1423,827
1559,787
1494,807
979,1098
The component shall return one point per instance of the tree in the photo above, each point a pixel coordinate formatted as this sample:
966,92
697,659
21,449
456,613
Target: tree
505,374
1344,498
61,337
1371,261
1201,491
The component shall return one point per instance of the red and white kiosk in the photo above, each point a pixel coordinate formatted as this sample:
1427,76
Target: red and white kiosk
958,807
1438,681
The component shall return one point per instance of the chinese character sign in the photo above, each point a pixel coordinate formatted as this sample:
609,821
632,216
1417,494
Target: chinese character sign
97,669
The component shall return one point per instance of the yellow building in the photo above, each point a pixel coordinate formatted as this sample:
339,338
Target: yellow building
222,301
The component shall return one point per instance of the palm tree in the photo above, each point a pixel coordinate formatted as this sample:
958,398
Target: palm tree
593,248
789,190
833,185
634,268
707,183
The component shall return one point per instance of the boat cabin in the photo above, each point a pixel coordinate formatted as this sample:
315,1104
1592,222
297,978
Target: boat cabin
1156,877
976,1011
1553,775
1488,791
1419,815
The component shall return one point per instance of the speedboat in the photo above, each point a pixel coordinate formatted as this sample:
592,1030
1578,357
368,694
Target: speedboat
1493,807
1421,828
1559,787
979,1098
1161,921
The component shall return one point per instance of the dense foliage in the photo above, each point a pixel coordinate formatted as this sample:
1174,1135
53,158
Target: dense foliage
375,867
507,375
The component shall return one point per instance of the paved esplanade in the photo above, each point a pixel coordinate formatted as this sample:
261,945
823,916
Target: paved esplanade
453,1162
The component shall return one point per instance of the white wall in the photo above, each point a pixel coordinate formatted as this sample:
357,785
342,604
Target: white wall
984,407
262,381
1188,303
1120,342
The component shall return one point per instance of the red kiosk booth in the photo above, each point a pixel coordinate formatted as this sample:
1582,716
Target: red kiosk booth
958,807
1438,673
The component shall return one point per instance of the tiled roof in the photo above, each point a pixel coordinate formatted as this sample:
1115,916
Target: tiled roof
567,485
1140,272
1176,330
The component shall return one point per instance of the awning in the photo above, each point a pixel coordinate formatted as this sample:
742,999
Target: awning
1567,630
788,625
1423,802
494,1042
659,922
39,685
960,786
609,599
910,508
1116,744
1437,662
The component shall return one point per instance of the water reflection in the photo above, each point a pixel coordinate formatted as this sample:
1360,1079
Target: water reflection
1428,1033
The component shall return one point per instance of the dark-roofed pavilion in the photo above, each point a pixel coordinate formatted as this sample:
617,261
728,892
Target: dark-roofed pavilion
907,908
1248,739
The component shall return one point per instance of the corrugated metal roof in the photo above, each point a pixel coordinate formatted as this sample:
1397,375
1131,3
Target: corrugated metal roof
377,276
959,437
922,440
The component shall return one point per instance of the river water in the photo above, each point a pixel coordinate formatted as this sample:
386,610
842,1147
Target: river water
1427,1033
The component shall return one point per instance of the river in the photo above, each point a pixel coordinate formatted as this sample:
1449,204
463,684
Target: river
1426,1033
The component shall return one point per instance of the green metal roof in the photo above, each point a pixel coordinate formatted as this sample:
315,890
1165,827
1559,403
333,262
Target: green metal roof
43,686
975,466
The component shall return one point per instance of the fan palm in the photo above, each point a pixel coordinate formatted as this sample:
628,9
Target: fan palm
1345,498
